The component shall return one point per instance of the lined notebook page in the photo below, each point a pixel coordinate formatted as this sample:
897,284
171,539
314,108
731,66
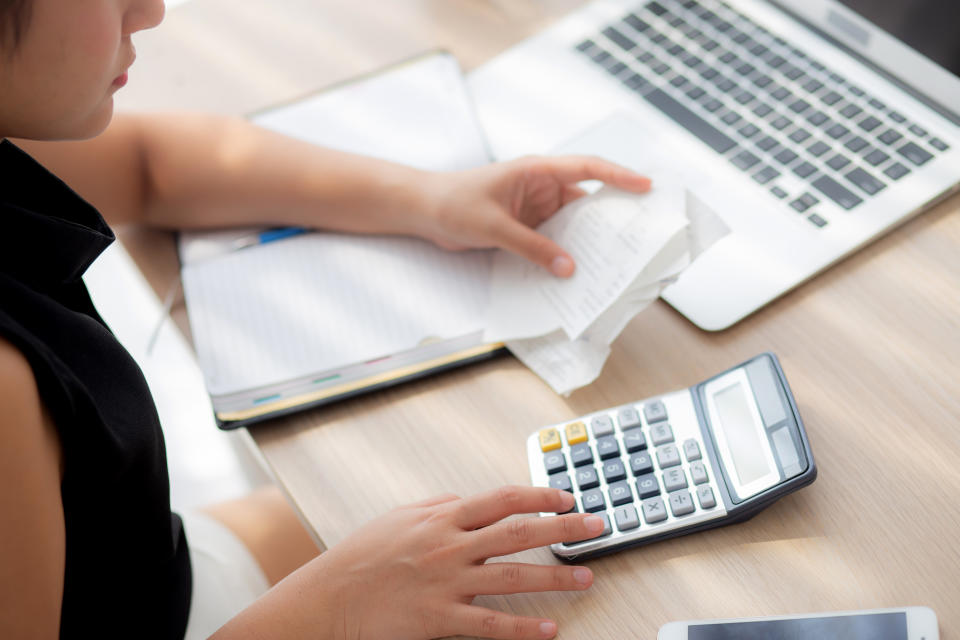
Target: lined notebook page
292,308
316,302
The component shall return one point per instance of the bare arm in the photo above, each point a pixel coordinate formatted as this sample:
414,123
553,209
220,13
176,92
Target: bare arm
32,538
196,171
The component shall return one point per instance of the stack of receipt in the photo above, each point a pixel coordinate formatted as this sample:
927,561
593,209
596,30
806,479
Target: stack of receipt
627,248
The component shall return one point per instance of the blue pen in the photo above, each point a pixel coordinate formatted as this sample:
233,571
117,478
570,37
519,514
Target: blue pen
270,235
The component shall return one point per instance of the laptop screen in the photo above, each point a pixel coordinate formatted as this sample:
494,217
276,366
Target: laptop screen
929,26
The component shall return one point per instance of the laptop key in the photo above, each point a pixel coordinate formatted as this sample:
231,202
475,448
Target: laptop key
781,123
707,133
763,110
709,73
656,8
918,131
799,135
896,171
678,81
812,85
799,106
817,118
851,111
915,153
710,45
744,160
855,144
748,130
838,162
621,40
876,157
762,81
837,192
817,220
778,193
870,123
865,181
744,97
586,45
692,61
889,136
781,93
767,143
818,148
837,131
805,169
636,22
731,117
785,157
746,69
939,144
636,82
725,84
831,98
616,68
712,105
766,174
896,117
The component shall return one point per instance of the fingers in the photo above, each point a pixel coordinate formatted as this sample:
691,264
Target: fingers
431,502
468,620
492,506
514,577
569,169
511,536
520,239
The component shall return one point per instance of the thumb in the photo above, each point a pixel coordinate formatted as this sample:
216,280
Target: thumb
537,248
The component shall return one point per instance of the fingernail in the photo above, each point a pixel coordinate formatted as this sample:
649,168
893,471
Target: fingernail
548,629
562,266
594,524
567,499
581,575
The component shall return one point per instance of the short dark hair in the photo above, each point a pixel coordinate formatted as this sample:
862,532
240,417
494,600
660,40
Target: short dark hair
13,22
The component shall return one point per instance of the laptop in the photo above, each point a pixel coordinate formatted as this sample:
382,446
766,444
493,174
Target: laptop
811,126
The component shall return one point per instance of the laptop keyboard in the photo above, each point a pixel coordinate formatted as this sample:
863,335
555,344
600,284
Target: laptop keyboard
804,132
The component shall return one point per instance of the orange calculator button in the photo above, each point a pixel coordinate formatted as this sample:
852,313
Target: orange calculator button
549,439
576,433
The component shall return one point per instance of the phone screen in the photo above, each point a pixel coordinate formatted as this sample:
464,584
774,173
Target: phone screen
874,626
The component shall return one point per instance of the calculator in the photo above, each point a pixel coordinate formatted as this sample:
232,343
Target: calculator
713,454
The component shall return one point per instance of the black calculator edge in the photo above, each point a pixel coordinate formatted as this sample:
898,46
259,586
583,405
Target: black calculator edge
741,512
735,513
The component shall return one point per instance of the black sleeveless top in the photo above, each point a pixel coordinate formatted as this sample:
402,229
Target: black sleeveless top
127,568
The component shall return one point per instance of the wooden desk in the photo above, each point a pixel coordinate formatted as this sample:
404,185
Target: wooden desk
871,349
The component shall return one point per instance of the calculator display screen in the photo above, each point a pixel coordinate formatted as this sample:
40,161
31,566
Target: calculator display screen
873,626
742,434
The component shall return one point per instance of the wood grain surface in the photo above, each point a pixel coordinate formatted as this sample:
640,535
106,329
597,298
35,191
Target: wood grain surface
871,349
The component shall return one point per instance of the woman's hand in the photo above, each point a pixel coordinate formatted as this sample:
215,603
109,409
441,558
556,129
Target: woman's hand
499,205
414,572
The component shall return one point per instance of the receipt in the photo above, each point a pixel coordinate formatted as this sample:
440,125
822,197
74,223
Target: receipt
627,248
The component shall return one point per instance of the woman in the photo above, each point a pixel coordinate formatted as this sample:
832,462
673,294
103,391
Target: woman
88,544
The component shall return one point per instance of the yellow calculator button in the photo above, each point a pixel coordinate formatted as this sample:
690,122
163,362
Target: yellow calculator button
549,439
576,433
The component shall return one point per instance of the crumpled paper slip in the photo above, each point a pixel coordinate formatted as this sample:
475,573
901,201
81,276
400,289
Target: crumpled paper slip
627,248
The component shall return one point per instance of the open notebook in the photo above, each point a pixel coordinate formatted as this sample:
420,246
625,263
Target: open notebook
302,321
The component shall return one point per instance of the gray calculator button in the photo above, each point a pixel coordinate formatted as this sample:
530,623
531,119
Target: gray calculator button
674,479
587,478
641,463
593,500
647,486
668,456
554,461
602,426
654,411
654,510
691,449
614,470
607,447
626,518
580,454
629,418
634,440
561,481
619,493
698,473
681,503
661,434
705,496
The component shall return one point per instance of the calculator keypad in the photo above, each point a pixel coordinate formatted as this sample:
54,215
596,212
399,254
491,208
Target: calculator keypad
642,467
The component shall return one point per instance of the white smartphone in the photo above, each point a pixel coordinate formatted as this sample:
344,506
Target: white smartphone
908,623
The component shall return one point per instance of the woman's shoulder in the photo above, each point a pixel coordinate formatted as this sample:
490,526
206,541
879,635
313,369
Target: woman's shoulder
24,420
